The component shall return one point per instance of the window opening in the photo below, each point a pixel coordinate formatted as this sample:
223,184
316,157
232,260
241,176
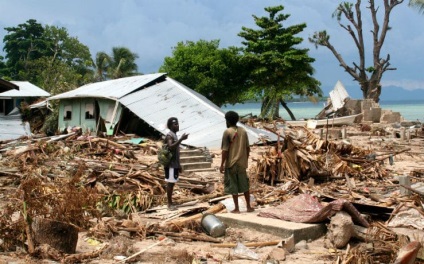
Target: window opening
67,113
89,111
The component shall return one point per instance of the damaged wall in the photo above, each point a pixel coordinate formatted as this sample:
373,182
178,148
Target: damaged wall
84,113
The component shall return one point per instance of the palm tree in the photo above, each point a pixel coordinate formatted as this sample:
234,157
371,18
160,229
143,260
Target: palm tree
102,64
417,4
122,63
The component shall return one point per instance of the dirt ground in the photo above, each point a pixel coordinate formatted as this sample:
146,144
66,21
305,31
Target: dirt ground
172,251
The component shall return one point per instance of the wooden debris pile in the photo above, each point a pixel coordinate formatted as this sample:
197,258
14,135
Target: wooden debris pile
379,245
73,179
303,155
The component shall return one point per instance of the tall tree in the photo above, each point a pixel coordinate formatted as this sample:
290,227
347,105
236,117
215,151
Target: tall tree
218,74
47,56
22,44
368,76
68,62
3,67
102,63
280,68
63,47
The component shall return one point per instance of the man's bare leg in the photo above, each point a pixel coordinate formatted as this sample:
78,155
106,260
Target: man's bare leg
236,205
169,191
247,198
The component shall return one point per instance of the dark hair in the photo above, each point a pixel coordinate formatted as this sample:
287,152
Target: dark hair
232,117
170,121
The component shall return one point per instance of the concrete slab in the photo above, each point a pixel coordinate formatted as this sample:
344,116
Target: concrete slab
273,226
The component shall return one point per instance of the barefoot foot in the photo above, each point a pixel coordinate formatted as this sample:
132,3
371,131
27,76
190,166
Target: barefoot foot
235,211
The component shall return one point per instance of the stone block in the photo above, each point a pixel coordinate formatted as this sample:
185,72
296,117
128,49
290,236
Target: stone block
376,114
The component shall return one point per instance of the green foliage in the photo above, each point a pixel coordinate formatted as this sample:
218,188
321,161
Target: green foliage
218,74
122,63
280,69
102,64
47,56
370,69
24,43
50,126
417,4
164,155
3,67
320,38
118,65
68,50
127,202
345,8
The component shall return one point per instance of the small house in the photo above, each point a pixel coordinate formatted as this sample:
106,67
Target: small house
12,95
26,92
142,105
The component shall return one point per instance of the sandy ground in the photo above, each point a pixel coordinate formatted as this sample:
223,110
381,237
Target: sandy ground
171,251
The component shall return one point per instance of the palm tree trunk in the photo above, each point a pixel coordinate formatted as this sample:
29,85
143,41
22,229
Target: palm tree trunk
283,103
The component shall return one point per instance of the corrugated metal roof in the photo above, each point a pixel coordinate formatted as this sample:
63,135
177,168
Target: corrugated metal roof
26,89
198,116
112,89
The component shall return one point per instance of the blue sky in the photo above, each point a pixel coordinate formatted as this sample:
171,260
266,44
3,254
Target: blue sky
151,28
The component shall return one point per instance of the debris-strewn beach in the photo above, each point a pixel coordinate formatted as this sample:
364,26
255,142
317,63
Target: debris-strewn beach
110,192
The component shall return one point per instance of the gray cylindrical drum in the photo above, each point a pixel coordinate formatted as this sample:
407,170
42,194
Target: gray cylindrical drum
212,225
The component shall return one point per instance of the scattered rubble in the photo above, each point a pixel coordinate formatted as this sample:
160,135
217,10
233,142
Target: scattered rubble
112,189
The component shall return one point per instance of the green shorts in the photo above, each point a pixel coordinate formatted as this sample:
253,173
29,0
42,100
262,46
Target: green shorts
236,180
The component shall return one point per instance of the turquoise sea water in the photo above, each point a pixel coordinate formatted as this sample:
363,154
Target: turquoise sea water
411,110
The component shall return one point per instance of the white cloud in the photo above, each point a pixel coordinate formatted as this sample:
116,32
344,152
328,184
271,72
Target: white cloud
151,28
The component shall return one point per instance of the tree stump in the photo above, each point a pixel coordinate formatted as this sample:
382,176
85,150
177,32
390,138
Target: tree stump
59,235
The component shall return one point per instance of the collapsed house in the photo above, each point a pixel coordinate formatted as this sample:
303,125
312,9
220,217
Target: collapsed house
341,104
11,100
142,105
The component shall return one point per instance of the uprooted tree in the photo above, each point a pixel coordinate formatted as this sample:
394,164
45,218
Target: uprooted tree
368,76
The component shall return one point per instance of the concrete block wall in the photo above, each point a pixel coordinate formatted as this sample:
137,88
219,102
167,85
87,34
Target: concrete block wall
353,106
371,112
375,114
391,117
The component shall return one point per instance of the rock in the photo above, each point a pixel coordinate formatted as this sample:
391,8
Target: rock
277,254
340,230
301,245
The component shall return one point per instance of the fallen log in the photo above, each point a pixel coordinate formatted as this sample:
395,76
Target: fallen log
107,141
190,236
78,258
251,244
201,198
412,190
179,223
20,150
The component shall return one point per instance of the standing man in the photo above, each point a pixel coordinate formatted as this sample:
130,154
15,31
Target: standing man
235,154
173,170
